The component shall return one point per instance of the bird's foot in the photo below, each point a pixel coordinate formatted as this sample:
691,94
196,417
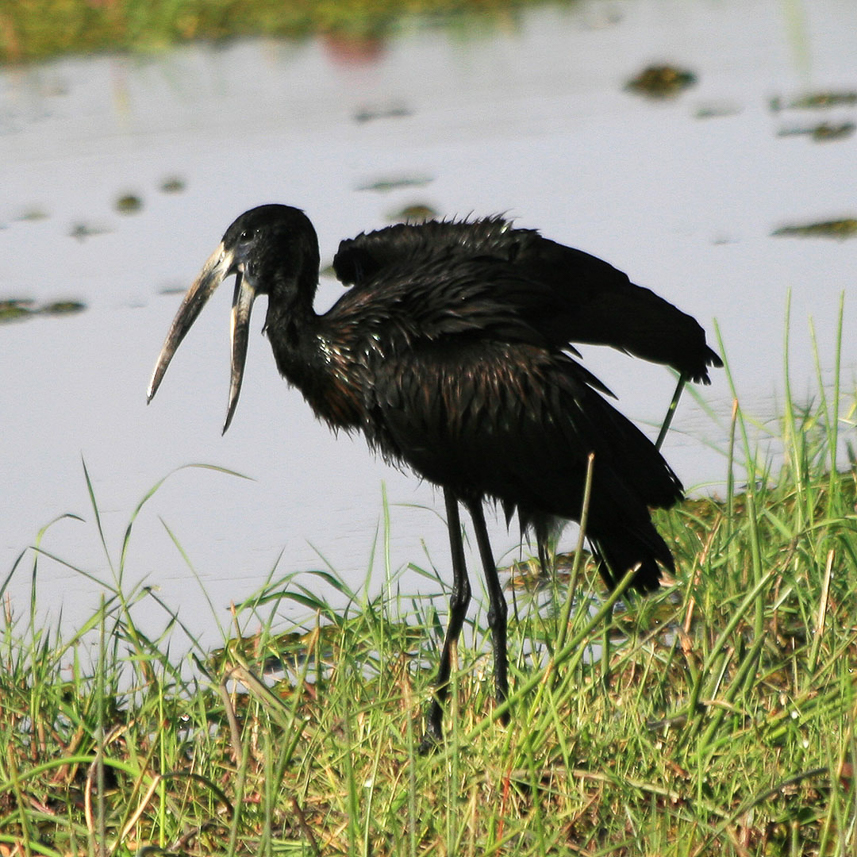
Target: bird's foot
429,744
433,736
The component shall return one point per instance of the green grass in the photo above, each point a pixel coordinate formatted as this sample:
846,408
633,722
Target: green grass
715,717
35,29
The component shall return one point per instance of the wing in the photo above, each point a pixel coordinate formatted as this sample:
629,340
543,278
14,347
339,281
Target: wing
603,307
590,301
448,297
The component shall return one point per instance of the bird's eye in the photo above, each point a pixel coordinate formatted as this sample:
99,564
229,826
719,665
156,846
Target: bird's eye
246,236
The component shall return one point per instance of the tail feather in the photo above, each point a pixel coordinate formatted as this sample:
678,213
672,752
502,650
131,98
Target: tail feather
618,555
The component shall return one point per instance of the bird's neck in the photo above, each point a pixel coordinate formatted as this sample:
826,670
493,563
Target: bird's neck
290,327
307,356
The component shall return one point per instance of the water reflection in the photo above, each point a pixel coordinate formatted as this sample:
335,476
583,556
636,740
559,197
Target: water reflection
534,122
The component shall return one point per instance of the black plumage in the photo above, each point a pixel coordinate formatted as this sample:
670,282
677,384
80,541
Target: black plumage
580,298
453,353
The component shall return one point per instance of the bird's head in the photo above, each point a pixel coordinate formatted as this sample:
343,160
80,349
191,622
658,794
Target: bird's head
270,250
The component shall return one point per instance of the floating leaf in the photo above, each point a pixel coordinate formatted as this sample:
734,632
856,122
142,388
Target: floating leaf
173,184
662,81
15,309
415,213
129,204
844,228
388,184
62,308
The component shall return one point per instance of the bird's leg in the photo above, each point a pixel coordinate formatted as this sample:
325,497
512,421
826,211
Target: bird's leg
497,609
458,604
682,380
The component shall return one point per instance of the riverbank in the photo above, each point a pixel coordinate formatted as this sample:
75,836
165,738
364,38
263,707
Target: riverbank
38,29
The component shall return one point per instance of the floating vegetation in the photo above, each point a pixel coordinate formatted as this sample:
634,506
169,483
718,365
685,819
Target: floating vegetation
32,215
715,111
62,308
527,575
815,101
832,132
129,203
18,309
386,185
177,289
82,231
844,228
661,81
415,213
15,309
173,184
369,114
821,133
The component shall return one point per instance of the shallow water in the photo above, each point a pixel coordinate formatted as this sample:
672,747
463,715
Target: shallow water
533,121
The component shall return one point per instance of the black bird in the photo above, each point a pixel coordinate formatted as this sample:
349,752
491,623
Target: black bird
452,352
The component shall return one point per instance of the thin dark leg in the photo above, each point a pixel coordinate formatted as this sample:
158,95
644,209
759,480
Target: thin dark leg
458,603
671,411
497,609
